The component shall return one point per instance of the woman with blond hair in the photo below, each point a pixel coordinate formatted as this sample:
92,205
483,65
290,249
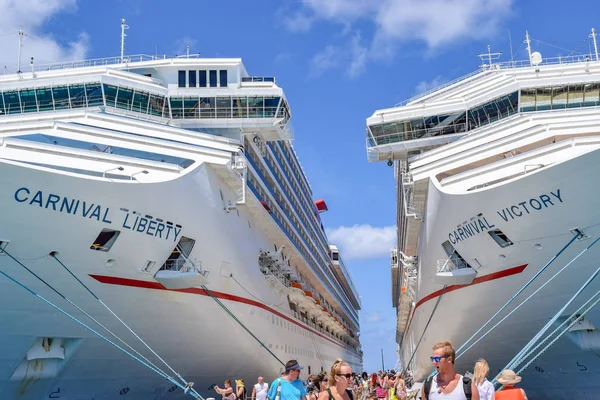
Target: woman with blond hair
340,382
484,387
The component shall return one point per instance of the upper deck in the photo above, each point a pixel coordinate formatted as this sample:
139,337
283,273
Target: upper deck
190,92
495,92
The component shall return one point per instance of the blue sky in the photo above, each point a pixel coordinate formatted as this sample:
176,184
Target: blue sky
338,61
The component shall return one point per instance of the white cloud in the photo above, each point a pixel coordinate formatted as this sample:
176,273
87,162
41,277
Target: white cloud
434,23
424,86
44,47
363,241
298,22
373,317
325,60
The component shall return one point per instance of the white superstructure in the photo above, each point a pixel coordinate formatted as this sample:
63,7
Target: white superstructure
497,172
160,182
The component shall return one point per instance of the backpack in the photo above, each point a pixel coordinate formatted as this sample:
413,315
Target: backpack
466,386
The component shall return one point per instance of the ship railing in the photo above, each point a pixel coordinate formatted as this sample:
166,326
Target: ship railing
581,58
185,265
97,62
451,263
261,79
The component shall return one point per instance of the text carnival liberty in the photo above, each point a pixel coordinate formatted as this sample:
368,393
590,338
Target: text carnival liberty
85,209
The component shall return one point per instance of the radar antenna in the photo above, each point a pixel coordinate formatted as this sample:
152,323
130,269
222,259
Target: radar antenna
593,36
490,58
123,35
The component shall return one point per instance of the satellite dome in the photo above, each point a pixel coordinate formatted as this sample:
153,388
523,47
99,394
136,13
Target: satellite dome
536,58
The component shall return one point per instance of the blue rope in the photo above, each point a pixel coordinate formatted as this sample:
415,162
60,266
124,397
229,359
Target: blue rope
518,359
532,294
95,332
53,255
516,295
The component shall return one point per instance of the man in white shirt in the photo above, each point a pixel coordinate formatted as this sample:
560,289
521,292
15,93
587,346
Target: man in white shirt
260,389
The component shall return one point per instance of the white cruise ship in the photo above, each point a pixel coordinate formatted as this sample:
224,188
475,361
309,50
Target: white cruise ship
497,178
170,189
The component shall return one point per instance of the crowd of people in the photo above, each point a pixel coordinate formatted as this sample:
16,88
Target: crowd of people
341,383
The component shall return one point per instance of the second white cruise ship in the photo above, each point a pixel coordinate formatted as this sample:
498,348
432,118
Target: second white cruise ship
497,178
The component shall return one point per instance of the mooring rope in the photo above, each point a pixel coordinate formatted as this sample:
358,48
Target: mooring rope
51,304
186,383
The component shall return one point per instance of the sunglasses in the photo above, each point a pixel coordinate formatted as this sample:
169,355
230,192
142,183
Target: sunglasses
437,358
348,376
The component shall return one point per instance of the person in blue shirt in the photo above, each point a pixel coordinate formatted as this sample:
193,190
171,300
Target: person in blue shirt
289,386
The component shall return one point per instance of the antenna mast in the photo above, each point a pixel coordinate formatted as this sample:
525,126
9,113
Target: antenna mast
21,33
123,27
593,36
528,41
490,57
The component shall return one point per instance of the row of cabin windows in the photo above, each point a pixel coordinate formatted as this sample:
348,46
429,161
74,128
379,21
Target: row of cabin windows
194,78
279,155
286,188
279,198
253,184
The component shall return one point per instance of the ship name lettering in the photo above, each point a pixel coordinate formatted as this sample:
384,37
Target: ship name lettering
467,230
151,227
527,207
63,204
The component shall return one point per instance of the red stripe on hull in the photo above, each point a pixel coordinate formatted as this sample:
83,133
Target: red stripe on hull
485,278
115,280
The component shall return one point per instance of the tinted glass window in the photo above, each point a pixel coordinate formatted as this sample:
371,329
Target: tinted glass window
223,78
124,98
44,97
94,94
110,93
140,102
213,78
181,81
77,93
28,100
202,78
156,105
192,78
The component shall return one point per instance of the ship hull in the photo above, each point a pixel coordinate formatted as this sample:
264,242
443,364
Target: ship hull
536,211
187,328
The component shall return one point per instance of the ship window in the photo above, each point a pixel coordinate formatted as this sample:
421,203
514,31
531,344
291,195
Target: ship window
181,79
44,98
140,102
77,94
575,96
559,97
223,107
336,256
110,93
500,238
105,240
192,78
213,78
223,78
94,94
454,256
28,101
202,77
156,105
591,95
124,98
544,99
528,100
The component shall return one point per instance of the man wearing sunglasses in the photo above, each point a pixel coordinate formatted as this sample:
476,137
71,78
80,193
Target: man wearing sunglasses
289,386
447,384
